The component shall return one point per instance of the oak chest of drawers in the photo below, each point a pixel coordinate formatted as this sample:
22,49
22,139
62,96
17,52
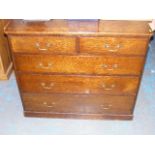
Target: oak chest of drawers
79,68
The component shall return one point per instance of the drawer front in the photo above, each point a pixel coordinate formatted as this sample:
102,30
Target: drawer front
43,44
118,45
79,104
78,84
80,64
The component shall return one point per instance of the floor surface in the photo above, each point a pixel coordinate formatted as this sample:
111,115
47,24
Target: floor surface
12,120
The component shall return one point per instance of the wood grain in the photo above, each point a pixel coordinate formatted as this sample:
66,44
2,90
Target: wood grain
46,44
5,58
78,116
113,45
79,104
80,27
78,84
79,64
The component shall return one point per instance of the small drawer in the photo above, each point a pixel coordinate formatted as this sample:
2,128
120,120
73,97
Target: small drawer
78,84
112,65
117,45
78,104
43,44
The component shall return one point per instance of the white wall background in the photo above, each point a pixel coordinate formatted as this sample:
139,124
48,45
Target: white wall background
101,9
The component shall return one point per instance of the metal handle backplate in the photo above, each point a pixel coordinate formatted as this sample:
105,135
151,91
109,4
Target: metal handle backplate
46,86
38,46
108,87
105,107
108,67
51,105
48,66
112,49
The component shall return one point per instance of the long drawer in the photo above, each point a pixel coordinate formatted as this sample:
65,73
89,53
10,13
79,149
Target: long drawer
112,65
43,44
78,104
117,45
78,84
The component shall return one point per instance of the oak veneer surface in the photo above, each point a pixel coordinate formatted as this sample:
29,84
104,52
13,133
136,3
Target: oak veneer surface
119,45
79,64
79,104
98,27
36,43
78,84
87,69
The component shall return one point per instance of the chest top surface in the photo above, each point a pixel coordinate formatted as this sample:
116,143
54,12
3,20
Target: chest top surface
79,27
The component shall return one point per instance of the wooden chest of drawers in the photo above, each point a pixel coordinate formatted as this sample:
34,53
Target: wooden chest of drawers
79,68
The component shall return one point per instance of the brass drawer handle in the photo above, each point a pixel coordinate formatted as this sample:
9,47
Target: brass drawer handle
105,66
108,87
106,107
41,65
87,91
48,45
45,86
49,105
115,49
